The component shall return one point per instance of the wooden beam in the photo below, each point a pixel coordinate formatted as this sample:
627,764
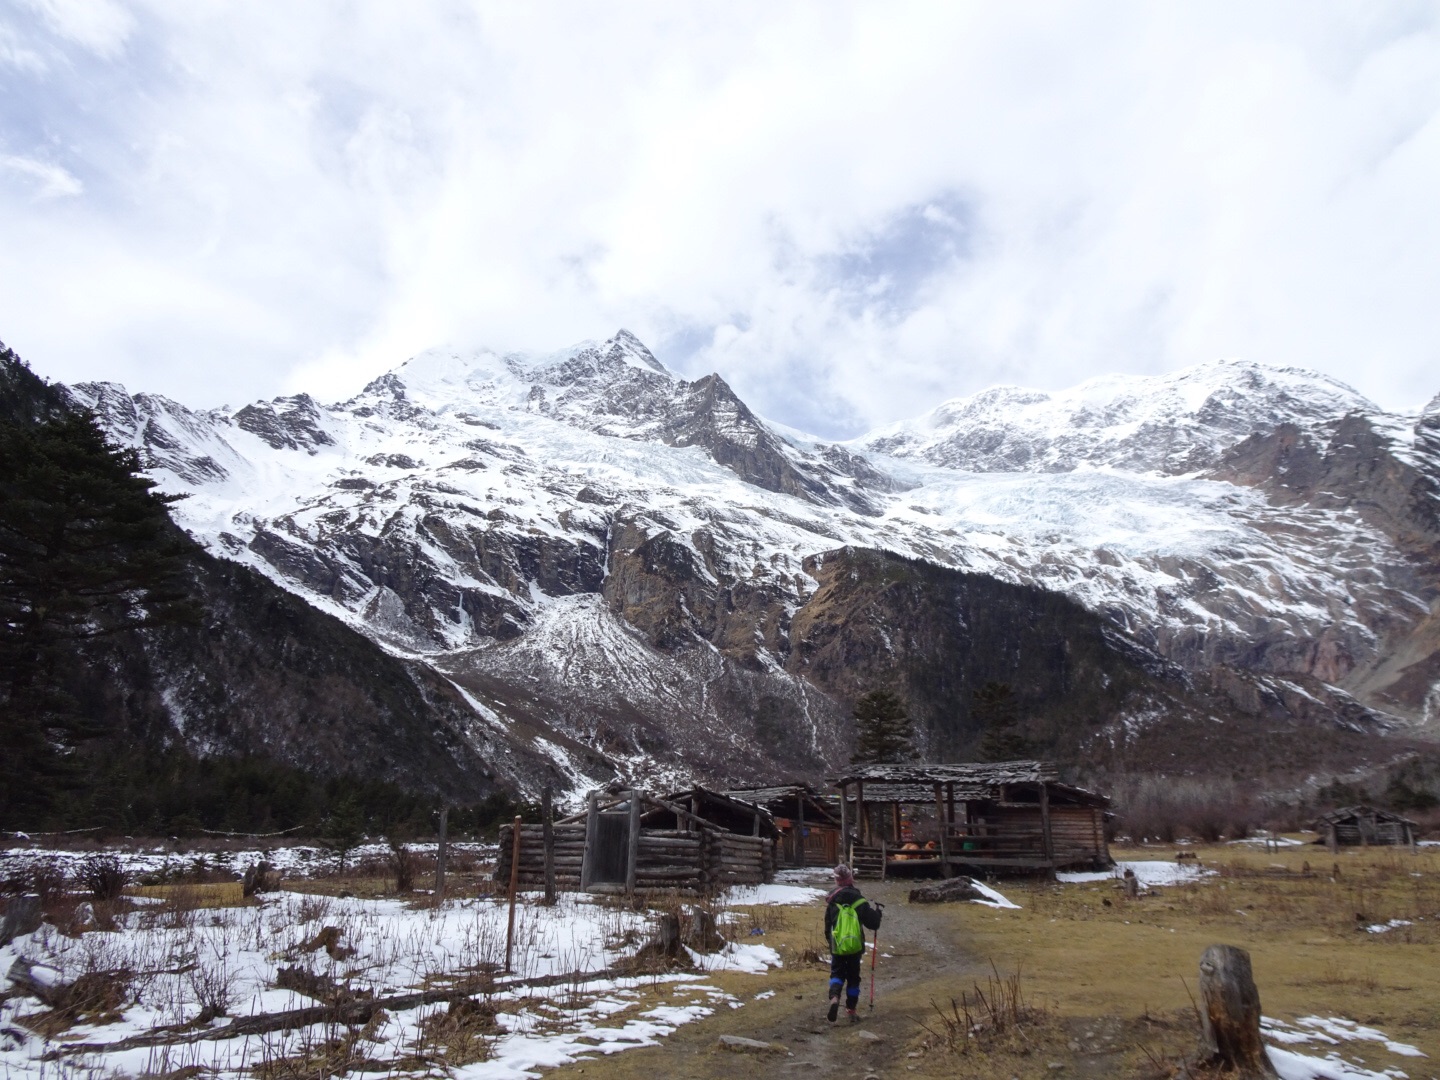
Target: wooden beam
592,826
862,819
1049,840
945,870
799,828
632,860
547,822
440,856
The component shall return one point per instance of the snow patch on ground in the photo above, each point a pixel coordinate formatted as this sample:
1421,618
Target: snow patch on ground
775,893
993,898
1151,874
1331,1031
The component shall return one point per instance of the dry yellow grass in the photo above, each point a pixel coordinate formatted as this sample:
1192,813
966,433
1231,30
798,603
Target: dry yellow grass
210,895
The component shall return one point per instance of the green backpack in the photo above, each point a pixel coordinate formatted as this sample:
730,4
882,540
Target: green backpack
846,936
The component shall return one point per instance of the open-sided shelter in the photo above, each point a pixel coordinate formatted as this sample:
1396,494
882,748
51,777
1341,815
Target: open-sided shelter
1011,815
629,840
1364,825
809,830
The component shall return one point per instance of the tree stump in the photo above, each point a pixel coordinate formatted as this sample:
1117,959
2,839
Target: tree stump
1132,884
704,934
1230,1014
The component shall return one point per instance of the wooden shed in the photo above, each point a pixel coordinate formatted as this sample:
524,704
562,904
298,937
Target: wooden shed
631,840
940,819
809,830
1364,826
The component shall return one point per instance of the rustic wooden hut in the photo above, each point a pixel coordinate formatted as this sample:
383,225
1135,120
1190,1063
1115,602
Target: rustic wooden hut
631,840
1365,826
809,831
1012,815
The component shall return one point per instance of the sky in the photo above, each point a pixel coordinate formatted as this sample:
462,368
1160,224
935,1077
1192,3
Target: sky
851,211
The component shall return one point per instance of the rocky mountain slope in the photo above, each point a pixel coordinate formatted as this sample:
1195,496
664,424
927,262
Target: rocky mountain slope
261,673
624,572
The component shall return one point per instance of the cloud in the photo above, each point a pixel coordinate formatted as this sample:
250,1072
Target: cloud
100,26
45,180
850,210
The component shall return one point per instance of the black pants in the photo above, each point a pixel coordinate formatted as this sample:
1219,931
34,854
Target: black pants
845,971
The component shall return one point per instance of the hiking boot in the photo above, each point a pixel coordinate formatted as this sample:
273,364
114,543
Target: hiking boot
853,1015
834,1010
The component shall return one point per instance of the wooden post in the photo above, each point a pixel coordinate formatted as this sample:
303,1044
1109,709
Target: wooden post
1045,834
862,819
800,859
440,856
950,802
547,834
592,826
1230,1015
895,823
844,821
945,870
632,860
514,890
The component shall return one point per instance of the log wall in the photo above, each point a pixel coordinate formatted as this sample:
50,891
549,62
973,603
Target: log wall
667,858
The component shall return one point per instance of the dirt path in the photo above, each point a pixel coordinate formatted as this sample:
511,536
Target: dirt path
920,959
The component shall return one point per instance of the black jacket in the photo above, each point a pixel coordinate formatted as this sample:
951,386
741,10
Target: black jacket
867,912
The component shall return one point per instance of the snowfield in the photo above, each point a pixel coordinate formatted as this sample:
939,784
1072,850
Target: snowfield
190,973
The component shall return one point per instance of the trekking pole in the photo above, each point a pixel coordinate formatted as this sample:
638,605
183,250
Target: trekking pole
875,953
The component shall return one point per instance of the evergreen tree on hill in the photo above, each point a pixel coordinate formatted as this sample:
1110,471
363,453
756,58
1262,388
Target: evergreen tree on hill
994,705
87,550
884,731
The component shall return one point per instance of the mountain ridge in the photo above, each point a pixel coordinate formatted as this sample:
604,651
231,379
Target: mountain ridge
448,506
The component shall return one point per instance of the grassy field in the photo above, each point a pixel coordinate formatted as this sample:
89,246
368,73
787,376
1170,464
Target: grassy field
1103,979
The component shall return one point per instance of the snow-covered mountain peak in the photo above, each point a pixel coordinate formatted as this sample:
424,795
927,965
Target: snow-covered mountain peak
1167,424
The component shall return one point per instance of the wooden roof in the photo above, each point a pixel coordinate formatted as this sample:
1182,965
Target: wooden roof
1351,813
775,799
975,774
722,809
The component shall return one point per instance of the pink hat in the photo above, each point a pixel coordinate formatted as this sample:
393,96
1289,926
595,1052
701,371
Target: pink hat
844,875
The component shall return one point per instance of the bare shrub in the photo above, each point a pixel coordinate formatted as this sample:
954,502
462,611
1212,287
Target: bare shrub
403,865
995,1011
1166,809
104,876
213,985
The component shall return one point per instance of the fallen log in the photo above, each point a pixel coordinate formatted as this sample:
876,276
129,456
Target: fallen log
945,892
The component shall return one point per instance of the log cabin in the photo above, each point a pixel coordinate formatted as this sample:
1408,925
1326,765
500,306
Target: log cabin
1365,826
809,831
628,841
1016,816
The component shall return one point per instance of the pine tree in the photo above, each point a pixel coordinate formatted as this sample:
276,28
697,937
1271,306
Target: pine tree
884,731
995,707
87,550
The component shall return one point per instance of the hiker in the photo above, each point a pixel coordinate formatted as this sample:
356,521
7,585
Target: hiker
847,916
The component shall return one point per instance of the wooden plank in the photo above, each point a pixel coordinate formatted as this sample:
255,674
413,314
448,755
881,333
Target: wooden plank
863,823
592,825
633,854
547,824
1045,820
